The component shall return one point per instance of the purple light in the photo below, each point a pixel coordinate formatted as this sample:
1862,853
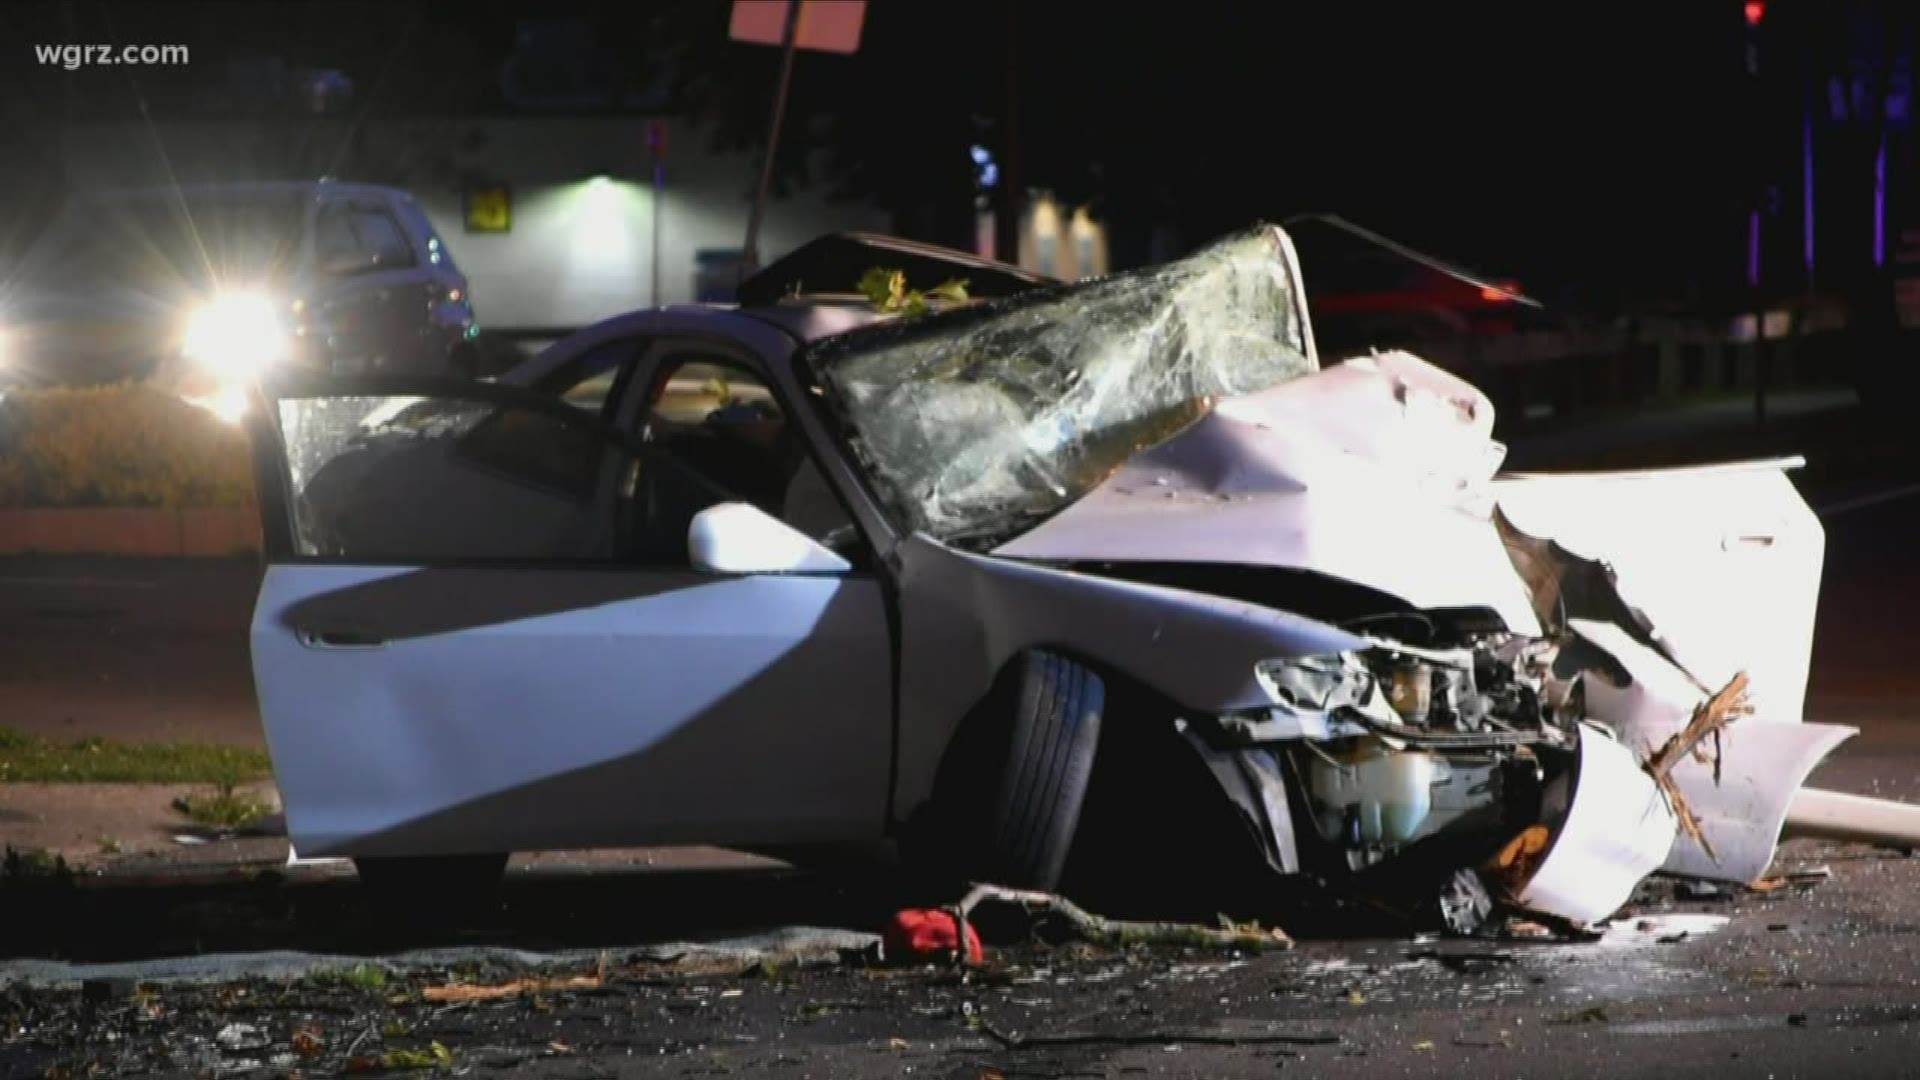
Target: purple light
1880,204
1806,188
1753,247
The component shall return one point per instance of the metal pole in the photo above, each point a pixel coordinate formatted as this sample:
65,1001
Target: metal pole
656,135
1755,224
1009,225
750,256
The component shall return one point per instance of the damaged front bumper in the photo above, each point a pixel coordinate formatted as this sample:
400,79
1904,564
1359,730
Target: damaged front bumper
1523,762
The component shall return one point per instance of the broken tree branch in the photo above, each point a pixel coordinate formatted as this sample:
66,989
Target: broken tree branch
1105,931
1709,719
468,992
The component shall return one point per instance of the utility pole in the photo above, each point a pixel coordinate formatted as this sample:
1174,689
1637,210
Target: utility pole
657,150
750,254
1754,12
802,24
1013,190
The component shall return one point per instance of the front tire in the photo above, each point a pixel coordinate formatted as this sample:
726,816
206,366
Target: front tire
1011,789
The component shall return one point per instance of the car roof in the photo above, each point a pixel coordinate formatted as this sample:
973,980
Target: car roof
804,321
843,257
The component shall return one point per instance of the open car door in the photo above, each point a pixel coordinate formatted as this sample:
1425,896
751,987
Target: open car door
478,632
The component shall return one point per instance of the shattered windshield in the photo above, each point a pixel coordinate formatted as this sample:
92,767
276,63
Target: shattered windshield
977,423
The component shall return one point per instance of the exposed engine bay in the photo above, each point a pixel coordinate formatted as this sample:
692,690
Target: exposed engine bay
1452,747
1399,743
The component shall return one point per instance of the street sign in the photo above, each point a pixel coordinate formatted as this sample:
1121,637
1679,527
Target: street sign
823,26
489,208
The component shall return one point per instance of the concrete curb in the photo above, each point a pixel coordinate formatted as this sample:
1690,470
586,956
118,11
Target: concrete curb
212,532
795,945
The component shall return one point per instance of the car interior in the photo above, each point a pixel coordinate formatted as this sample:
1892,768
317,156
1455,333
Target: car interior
724,424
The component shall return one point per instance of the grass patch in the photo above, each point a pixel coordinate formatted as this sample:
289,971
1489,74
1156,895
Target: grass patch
226,808
368,977
34,864
25,757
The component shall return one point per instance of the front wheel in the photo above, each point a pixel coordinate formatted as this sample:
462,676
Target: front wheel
1009,795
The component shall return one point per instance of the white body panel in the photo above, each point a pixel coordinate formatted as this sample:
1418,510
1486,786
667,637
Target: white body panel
1764,759
1724,562
519,709
1617,831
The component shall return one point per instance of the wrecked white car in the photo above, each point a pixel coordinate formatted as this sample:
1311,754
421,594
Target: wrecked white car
799,574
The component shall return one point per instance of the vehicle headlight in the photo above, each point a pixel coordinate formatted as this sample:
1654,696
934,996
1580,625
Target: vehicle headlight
236,336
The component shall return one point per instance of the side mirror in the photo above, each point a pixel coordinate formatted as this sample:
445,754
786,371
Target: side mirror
738,538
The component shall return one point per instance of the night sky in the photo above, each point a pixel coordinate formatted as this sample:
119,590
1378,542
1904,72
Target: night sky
1605,147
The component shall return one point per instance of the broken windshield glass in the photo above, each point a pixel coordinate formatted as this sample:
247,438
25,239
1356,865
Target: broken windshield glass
975,423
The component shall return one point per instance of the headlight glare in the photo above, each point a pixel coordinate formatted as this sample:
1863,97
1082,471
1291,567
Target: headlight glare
236,336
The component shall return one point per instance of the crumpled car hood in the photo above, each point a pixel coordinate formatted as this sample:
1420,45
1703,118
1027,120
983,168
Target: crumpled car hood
1178,414
1377,470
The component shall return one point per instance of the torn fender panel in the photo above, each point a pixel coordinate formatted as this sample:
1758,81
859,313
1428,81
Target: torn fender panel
1616,830
964,616
1256,783
1724,563
1763,758
1763,765
1374,471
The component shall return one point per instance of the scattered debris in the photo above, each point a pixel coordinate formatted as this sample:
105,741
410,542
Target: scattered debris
361,976
887,290
1808,877
237,1037
1663,929
1724,706
1464,903
1016,1041
1100,930
1503,1041
516,988
930,934
306,1042
1465,962
433,1056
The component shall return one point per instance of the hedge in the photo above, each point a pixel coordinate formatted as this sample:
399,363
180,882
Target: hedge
126,445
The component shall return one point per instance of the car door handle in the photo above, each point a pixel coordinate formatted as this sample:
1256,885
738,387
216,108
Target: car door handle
340,639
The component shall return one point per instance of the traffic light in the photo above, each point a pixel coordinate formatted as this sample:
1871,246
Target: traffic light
1756,10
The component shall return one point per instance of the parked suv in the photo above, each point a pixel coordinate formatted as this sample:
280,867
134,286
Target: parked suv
224,282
